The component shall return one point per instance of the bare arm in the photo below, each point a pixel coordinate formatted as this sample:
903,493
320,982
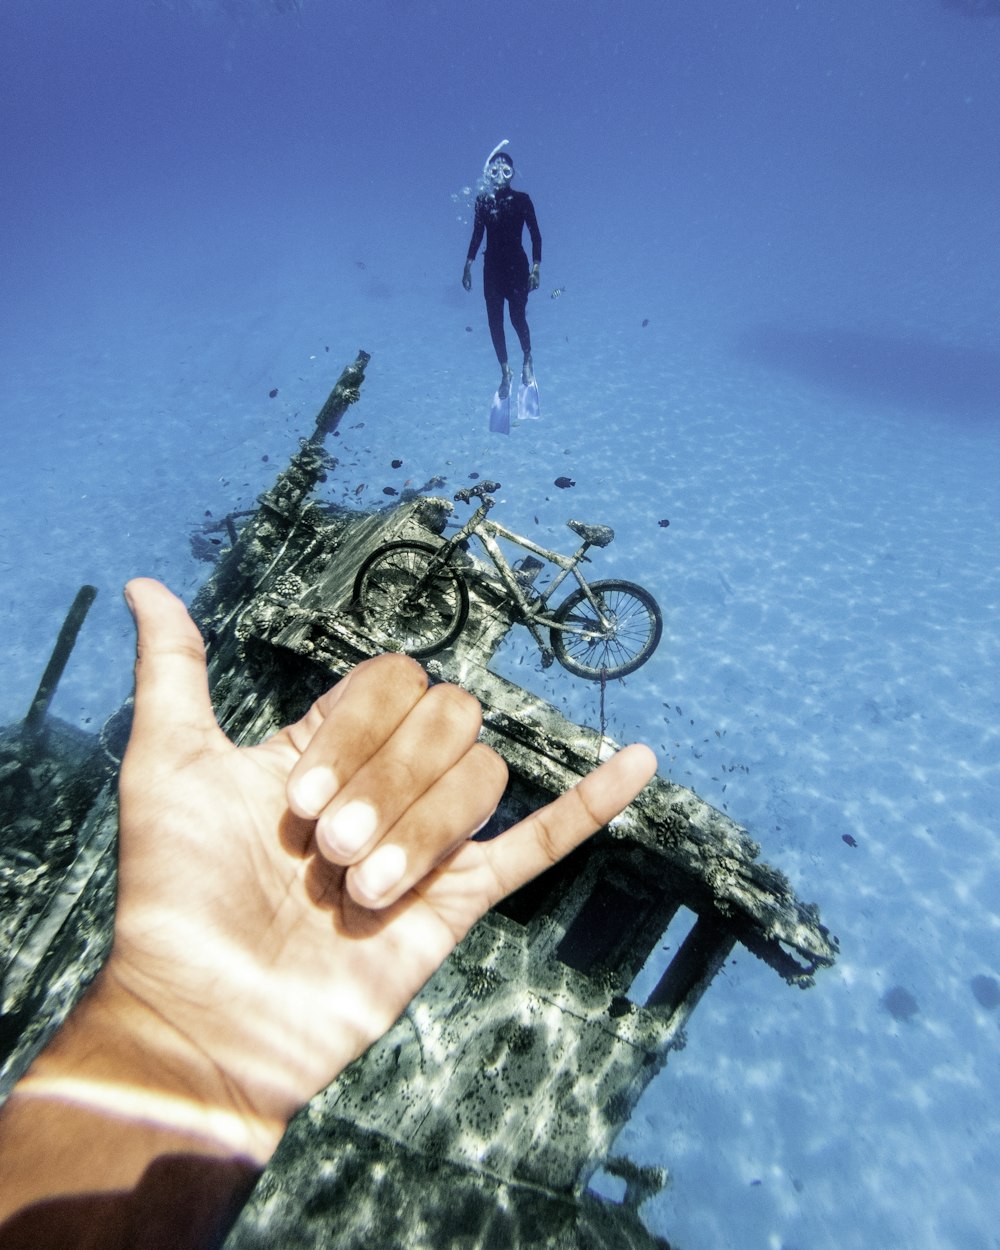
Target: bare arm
278,907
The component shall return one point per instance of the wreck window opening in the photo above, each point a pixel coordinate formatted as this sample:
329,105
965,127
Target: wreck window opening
527,902
538,897
701,955
603,929
662,955
605,1185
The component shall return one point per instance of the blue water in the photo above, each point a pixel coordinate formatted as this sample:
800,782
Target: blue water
775,225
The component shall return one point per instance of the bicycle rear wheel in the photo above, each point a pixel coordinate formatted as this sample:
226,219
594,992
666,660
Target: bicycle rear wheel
405,604
591,650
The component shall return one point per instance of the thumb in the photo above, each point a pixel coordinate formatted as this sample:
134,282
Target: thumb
172,704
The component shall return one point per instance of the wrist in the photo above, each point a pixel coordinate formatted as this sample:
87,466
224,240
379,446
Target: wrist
120,1136
123,1064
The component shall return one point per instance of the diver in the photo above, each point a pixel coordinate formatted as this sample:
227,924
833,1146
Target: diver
501,214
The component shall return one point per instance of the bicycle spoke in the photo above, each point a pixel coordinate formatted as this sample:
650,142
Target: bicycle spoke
614,641
407,604
400,613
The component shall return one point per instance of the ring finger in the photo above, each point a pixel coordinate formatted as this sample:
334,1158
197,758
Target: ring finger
438,731
440,820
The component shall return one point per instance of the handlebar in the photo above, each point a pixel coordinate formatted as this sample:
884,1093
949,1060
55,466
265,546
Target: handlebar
481,490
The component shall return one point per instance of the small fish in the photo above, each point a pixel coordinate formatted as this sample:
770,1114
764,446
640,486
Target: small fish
645,322
389,490
397,464
849,839
663,524
272,394
361,264
359,489
560,290
564,482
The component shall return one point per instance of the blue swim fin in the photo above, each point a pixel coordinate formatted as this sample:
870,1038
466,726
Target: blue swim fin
500,414
527,401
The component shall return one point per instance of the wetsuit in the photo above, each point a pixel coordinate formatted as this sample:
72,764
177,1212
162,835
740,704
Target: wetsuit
502,217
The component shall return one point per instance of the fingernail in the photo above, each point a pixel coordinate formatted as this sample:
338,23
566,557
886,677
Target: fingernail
348,831
380,872
314,790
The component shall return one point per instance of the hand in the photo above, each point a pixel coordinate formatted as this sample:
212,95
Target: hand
247,923
256,953
467,276
534,278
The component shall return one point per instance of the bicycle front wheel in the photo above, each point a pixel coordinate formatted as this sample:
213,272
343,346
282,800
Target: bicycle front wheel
620,644
408,605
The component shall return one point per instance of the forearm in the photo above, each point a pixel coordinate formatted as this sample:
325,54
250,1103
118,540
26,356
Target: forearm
116,1119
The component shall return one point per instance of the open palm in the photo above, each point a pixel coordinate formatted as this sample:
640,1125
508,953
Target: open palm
279,905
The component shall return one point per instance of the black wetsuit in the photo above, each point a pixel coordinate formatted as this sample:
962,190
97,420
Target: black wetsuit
502,217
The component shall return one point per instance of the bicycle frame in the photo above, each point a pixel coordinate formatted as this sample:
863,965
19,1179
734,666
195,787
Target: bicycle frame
534,614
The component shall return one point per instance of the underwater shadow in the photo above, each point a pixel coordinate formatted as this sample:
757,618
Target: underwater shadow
884,368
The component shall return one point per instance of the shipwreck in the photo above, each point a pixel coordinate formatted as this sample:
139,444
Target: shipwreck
480,1119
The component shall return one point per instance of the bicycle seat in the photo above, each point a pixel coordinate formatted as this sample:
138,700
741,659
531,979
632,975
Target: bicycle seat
595,535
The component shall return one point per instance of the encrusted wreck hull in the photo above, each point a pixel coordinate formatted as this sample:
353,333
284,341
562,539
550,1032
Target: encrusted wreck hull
481,1116
353,1189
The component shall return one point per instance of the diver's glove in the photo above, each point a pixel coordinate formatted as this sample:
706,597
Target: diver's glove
467,276
534,280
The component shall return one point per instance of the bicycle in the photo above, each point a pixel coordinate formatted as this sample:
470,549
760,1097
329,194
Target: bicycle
412,598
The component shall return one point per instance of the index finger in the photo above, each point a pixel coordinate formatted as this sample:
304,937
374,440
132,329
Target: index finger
548,835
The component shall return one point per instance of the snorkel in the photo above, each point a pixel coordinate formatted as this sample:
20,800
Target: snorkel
496,151
498,174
